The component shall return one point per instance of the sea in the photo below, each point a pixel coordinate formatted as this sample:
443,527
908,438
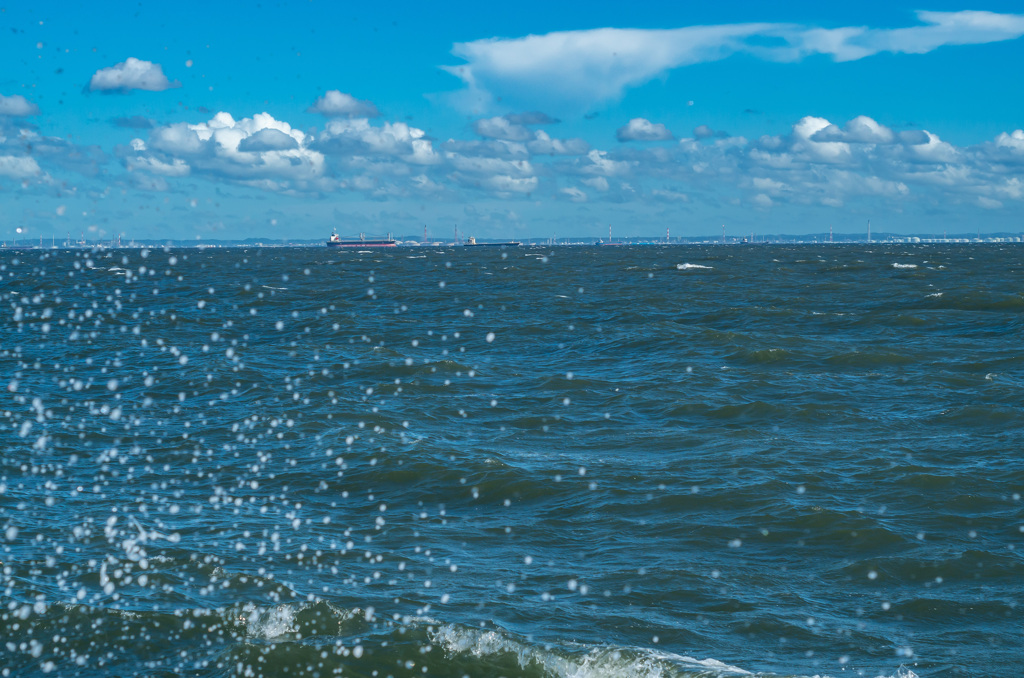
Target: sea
639,461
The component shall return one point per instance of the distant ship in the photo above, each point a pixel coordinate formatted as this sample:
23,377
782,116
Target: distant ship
473,243
336,241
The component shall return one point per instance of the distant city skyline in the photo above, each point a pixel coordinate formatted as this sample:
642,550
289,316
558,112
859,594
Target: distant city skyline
196,122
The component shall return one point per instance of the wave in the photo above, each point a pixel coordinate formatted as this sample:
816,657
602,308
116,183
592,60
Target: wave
578,661
690,267
288,638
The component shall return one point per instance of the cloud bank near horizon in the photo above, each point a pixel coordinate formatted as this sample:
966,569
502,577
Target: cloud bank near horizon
817,163
585,68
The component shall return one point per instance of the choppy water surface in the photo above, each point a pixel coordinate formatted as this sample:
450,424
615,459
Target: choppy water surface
651,461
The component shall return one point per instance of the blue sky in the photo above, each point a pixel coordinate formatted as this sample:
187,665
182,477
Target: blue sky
204,121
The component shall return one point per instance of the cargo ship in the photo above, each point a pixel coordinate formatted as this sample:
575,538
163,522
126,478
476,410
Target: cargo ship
336,241
473,243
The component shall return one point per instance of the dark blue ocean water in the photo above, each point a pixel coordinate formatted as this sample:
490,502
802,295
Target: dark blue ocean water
574,461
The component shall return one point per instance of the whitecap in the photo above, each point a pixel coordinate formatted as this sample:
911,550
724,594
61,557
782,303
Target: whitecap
575,660
268,623
899,265
688,267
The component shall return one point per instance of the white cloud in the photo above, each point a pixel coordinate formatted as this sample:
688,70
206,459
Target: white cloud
804,133
250,150
129,75
359,137
860,130
494,148
18,167
935,151
425,184
1012,188
574,194
501,128
598,163
705,132
940,29
585,67
543,144
485,166
503,184
590,65
267,140
815,163
175,168
768,185
1013,141
17,106
641,129
336,103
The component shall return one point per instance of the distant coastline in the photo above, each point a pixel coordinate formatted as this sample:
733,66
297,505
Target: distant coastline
412,241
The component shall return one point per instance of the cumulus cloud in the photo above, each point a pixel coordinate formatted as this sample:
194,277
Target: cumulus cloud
392,139
585,67
543,144
18,167
1013,141
503,185
267,140
175,167
913,137
492,148
641,129
501,128
512,131
259,151
600,163
48,152
17,106
336,103
496,175
860,130
805,142
131,74
816,162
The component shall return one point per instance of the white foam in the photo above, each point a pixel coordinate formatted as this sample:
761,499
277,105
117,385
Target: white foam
688,267
597,662
268,623
899,265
